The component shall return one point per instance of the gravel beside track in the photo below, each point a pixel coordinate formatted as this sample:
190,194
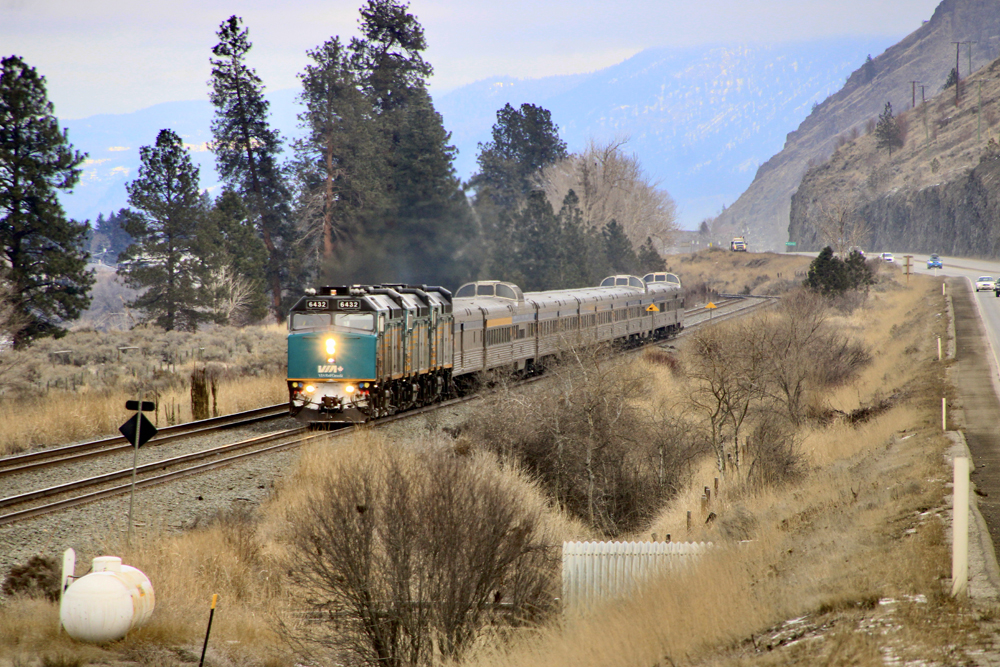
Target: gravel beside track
96,528
93,528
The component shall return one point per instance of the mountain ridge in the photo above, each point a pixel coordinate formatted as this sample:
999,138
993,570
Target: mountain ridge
926,55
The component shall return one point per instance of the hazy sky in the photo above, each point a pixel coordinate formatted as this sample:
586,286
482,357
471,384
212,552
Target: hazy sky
116,56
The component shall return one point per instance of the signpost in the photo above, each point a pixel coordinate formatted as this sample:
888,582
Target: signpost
137,430
711,310
789,245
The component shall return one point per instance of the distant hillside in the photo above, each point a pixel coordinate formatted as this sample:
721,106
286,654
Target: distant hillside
701,120
939,193
926,56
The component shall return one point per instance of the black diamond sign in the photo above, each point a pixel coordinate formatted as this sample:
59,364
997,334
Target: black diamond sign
128,429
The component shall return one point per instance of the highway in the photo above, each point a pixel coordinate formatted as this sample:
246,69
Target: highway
987,302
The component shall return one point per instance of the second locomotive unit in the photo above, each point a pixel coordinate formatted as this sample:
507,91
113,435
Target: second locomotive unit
361,352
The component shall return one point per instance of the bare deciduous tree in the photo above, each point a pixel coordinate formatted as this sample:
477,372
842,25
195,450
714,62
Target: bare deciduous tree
728,364
794,347
612,185
404,554
840,227
232,294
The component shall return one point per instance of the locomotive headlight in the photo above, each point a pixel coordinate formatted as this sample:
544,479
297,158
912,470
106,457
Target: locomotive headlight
310,389
349,388
331,346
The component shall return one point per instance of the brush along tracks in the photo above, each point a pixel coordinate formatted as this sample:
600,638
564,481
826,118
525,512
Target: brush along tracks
47,481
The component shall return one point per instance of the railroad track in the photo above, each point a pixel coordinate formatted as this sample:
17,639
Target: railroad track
55,498
59,496
55,456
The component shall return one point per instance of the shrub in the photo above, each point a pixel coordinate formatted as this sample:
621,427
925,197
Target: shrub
404,553
40,577
830,276
598,455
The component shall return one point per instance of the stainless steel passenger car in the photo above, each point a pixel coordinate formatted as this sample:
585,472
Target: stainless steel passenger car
498,326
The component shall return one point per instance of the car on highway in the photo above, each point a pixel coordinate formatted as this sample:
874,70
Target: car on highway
934,262
987,283
887,257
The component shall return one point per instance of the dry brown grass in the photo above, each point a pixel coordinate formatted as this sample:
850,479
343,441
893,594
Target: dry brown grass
63,417
866,524
721,271
48,397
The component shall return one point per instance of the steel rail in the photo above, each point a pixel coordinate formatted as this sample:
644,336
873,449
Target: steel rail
193,470
17,463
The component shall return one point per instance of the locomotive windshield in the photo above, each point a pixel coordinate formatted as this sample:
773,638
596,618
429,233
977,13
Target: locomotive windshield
360,321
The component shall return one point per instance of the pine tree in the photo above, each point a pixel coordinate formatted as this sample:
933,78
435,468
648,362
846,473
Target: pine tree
379,150
618,249
388,55
858,274
524,141
868,70
538,241
44,262
430,217
887,132
649,259
247,151
164,219
236,264
827,274
951,80
577,265
340,162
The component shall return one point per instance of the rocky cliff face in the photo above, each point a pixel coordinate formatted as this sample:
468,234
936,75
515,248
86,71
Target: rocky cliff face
940,192
960,218
926,55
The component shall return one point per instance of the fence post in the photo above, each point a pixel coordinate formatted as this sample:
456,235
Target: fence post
689,521
960,528
944,413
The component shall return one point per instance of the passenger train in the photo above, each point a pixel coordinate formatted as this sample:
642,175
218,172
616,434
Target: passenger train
361,352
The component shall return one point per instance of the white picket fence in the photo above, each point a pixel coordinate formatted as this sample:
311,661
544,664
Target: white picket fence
594,571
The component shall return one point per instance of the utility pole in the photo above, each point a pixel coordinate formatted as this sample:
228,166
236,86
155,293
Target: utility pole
913,102
958,76
979,113
969,71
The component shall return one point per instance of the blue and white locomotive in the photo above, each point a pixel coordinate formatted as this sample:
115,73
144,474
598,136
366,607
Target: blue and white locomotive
361,352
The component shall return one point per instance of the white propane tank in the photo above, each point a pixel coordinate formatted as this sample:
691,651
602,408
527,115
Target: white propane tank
105,604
